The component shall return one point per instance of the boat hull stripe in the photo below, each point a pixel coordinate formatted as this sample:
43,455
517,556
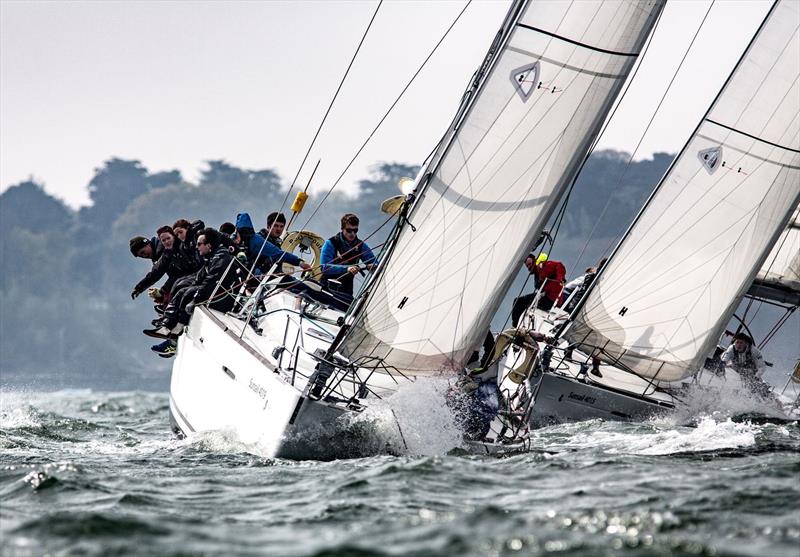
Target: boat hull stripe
180,414
296,410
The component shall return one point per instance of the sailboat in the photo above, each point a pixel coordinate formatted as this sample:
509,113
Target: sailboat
778,280
719,225
287,369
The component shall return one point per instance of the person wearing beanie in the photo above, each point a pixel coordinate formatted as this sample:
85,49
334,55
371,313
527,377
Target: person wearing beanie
172,262
143,248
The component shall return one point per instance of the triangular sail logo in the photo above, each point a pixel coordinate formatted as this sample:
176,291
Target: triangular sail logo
711,158
526,80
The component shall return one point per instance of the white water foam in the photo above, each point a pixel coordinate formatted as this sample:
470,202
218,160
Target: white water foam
724,399
660,438
227,442
416,419
16,410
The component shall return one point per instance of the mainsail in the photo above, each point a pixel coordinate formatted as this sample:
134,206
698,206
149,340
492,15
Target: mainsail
669,289
779,277
534,109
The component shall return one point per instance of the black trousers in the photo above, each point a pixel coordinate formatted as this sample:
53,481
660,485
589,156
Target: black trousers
180,284
176,309
522,303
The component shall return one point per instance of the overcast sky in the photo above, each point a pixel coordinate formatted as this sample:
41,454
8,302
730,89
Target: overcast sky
173,84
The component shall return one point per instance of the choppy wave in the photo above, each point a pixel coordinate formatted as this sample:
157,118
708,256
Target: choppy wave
86,473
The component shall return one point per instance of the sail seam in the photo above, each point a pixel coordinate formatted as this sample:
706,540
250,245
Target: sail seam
560,64
751,136
577,43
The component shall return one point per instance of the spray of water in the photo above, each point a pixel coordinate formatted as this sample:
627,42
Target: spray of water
16,410
725,399
415,420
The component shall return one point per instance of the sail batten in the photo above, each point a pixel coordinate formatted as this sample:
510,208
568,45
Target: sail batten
674,281
495,180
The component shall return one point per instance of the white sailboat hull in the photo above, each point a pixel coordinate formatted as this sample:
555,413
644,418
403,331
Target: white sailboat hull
223,381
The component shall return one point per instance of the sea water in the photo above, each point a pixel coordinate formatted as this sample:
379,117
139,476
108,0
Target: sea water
89,473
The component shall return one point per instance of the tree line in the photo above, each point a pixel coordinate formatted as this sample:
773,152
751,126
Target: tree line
67,319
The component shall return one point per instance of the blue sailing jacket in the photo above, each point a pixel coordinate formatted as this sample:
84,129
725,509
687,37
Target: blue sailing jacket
257,247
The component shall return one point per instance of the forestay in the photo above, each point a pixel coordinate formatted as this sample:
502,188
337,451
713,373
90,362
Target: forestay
537,104
779,277
674,281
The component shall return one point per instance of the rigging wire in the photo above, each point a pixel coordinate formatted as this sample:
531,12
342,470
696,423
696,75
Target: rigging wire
562,210
559,218
644,133
380,122
760,303
330,106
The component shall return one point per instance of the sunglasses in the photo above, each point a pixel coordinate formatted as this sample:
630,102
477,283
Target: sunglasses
351,230
202,243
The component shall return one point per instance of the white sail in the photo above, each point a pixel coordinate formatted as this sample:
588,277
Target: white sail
540,100
779,277
674,281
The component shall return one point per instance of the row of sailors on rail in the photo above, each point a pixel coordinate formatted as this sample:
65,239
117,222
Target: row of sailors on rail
198,263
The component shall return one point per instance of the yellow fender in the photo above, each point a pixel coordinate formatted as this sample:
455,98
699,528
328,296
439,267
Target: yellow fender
308,240
523,339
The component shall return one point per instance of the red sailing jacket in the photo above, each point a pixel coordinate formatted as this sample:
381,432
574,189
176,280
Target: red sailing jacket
555,273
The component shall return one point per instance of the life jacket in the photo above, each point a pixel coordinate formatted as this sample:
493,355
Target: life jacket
744,363
344,256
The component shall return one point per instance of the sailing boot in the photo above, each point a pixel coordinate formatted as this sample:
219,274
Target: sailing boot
166,329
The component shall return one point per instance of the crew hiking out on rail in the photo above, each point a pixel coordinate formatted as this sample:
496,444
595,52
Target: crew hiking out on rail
201,262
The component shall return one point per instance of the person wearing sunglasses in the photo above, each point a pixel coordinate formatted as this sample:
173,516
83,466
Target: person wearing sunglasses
340,258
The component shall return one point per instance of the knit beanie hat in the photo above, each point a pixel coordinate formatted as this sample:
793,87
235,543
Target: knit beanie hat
137,243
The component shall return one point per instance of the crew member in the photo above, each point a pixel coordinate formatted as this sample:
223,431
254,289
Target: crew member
216,275
549,277
261,252
746,360
143,248
340,257
173,262
276,222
